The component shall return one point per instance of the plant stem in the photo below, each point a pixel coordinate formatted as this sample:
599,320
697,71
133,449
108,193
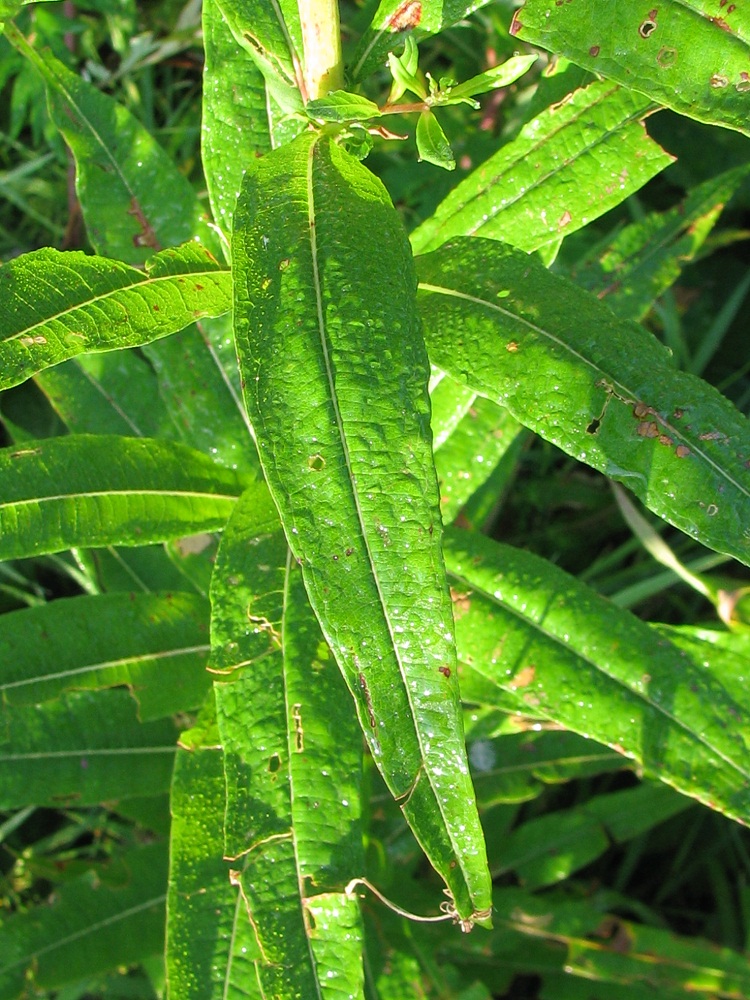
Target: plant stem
321,38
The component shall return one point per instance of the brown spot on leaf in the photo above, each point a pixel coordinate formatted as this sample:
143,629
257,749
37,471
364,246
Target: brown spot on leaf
406,16
718,82
445,671
594,51
511,346
147,236
648,429
681,451
667,56
524,677
564,220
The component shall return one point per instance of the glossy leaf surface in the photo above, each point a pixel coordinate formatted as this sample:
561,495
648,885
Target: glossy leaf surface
89,304
235,123
519,627
103,490
572,163
690,55
336,387
603,390
292,762
157,645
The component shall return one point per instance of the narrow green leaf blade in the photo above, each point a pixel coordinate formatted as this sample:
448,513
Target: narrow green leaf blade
568,166
127,184
110,917
90,304
602,389
336,379
235,123
82,748
634,268
211,945
292,761
690,55
525,626
94,490
157,645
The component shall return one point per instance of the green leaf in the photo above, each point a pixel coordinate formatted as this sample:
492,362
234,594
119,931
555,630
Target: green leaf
336,387
91,304
95,490
396,20
486,437
602,389
499,76
630,271
339,106
211,946
115,393
235,123
127,184
110,917
293,761
81,748
690,55
526,627
568,166
432,144
157,645
271,34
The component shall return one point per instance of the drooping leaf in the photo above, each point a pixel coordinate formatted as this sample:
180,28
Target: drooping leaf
94,490
110,917
690,55
82,748
569,165
335,384
90,304
292,762
602,389
527,627
157,645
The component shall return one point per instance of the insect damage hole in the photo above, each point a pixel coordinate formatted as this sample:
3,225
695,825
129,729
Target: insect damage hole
648,26
299,732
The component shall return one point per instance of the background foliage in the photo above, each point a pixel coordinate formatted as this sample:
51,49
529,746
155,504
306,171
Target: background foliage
590,332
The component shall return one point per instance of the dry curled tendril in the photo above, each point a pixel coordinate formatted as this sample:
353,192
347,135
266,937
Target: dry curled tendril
447,907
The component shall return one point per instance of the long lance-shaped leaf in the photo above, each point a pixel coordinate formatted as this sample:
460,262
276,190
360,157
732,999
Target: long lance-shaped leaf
292,762
690,55
519,628
602,389
235,121
155,644
95,490
211,945
127,184
336,387
57,305
573,162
